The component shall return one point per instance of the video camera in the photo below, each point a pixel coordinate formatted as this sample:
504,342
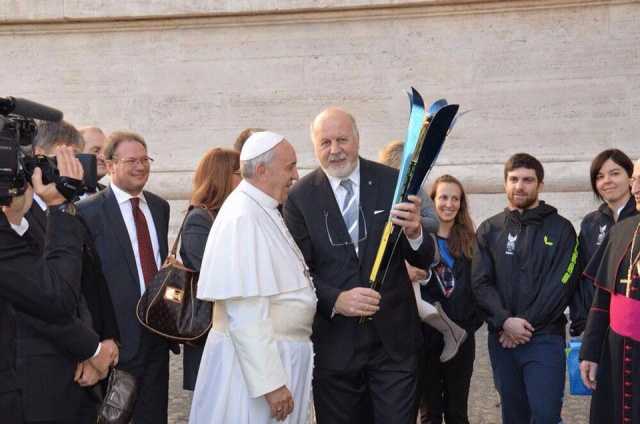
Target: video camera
18,159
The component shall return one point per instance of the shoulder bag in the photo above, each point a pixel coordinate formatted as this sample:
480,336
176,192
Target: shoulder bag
169,306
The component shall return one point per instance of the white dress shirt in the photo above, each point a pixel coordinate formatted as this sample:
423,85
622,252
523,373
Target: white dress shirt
126,209
341,192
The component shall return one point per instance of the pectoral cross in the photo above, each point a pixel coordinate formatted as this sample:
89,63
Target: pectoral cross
629,280
626,281
632,262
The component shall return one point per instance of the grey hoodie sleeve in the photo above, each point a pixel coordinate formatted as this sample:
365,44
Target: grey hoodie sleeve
430,222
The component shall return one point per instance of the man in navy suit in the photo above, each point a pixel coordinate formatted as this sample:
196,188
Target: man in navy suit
129,227
362,371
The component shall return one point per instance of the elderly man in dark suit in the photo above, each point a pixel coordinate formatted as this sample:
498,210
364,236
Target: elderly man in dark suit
36,286
129,227
337,214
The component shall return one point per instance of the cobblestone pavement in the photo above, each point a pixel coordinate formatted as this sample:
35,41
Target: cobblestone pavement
483,400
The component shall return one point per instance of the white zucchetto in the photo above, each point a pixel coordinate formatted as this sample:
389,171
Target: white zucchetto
259,143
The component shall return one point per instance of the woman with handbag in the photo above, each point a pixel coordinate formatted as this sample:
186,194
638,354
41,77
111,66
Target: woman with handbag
217,174
446,391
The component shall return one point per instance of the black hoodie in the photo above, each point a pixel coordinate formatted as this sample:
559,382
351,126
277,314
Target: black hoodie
593,228
523,266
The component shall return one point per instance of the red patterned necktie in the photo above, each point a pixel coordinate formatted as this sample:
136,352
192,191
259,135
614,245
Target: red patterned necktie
145,249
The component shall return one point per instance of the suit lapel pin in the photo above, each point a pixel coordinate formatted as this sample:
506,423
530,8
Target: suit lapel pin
370,183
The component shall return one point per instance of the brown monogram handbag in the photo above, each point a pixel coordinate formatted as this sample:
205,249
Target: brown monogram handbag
169,306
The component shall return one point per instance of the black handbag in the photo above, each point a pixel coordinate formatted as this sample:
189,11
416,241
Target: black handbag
117,405
169,306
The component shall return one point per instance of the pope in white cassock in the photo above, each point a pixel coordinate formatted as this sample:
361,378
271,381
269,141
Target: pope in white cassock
258,359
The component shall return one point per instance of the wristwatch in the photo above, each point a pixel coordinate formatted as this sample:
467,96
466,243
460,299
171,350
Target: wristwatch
66,207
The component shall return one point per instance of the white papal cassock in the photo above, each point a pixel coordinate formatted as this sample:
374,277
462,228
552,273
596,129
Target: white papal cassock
265,304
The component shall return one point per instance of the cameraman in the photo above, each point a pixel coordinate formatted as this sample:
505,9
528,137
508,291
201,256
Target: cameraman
41,290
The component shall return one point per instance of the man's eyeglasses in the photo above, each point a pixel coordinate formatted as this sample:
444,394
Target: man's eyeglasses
146,161
346,243
633,181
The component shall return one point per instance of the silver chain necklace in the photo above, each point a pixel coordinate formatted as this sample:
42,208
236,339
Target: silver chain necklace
294,246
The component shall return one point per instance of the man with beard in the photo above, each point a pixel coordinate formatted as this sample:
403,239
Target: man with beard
523,279
337,214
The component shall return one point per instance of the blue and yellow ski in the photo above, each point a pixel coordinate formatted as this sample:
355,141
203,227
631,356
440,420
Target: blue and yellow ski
425,137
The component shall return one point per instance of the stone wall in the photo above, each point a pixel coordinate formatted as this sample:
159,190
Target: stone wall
558,79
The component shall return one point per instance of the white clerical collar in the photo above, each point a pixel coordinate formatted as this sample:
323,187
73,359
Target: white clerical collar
260,196
354,177
123,197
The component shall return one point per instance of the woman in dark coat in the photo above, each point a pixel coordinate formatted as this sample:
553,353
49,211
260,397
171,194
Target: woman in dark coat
217,174
446,390
610,172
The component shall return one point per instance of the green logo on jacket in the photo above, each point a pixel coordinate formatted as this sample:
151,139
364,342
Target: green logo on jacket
547,242
572,264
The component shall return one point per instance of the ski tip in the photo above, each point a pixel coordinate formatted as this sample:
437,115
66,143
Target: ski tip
416,98
410,95
455,120
435,108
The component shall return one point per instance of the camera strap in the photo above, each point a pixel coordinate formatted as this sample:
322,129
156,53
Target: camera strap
68,187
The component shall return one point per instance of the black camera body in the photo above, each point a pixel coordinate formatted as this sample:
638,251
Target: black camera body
18,159
16,143
50,173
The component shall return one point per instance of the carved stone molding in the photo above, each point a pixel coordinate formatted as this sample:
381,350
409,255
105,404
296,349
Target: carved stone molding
75,11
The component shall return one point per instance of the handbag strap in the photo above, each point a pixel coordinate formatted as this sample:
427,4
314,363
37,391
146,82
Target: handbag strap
174,249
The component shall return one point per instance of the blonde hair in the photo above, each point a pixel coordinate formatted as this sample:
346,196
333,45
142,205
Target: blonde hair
391,154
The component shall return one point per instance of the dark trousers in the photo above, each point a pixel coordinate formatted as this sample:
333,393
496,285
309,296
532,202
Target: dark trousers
373,387
530,379
88,410
446,385
150,367
11,407
191,357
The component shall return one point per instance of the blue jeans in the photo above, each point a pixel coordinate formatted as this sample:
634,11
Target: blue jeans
530,379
